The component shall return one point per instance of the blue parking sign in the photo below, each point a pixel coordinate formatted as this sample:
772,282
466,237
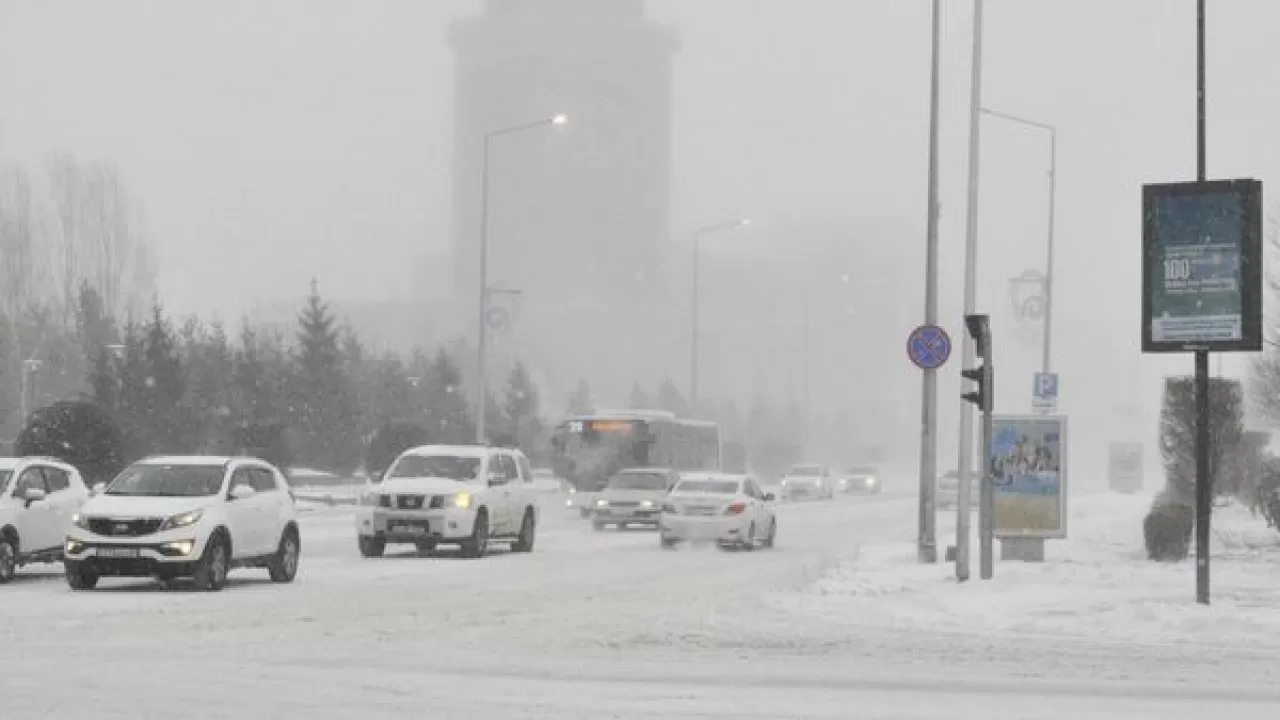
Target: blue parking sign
1044,394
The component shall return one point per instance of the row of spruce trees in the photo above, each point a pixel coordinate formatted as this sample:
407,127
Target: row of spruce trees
316,399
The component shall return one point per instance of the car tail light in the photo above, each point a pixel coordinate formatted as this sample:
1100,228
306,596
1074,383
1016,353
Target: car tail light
736,508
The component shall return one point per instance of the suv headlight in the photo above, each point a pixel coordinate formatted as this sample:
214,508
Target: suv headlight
80,520
462,500
186,519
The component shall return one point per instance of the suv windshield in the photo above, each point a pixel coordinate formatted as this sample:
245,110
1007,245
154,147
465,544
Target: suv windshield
638,481
4,479
438,466
805,471
714,487
168,481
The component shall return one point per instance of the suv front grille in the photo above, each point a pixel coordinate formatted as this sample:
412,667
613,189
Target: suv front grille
124,527
410,502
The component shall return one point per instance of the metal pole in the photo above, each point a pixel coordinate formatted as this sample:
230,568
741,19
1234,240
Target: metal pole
804,369
693,337
926,541
986,534
1204,492
970,290
1048,263
481,334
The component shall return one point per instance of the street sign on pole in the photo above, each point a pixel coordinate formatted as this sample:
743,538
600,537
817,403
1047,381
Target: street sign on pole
1044,393
929,347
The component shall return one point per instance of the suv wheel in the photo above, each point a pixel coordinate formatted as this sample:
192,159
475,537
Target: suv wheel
211,569
528,533
478,544
283,566
8,560
372,547
80,576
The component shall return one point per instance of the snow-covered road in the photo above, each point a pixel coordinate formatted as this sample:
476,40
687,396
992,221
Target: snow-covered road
590,625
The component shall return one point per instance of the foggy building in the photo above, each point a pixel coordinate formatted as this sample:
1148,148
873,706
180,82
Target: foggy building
579,213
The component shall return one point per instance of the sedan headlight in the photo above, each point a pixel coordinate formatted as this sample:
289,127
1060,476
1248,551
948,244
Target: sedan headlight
181,520
462,500
80,520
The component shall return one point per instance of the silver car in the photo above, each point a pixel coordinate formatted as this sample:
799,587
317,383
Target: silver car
633,497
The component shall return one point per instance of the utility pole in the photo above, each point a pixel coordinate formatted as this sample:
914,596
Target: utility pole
970,292
926,540
1204,493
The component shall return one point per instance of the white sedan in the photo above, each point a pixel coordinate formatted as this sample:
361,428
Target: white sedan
730,510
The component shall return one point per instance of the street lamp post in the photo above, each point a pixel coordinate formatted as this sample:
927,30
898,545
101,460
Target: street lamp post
481,380
693,327
1045,363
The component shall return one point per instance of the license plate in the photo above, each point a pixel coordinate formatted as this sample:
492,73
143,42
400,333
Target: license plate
409,529
118,552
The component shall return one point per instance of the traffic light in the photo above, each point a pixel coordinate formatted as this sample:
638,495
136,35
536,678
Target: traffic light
979,395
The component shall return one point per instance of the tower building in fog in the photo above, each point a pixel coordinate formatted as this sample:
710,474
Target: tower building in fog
578,214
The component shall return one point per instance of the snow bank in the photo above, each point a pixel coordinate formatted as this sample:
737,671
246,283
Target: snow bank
1096,585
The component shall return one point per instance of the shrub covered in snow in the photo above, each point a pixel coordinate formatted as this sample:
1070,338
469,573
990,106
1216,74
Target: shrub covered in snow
1167,528
78,433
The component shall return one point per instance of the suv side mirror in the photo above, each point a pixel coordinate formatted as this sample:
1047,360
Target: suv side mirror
33,494
243,491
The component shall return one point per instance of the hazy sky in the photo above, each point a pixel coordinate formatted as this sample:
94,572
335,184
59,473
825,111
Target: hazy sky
273,140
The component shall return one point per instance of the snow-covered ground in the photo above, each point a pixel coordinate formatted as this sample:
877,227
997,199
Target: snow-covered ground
1096,585
836,622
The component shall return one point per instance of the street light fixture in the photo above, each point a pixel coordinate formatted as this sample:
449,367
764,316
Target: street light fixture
1048,265
482,311
693,337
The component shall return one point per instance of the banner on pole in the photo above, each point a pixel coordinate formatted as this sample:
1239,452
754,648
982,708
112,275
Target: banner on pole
1028,464
1202,266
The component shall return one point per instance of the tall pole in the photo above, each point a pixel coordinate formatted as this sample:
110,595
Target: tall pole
482,378
970,291
1048,262
482,334
693,338
1204,493
926,540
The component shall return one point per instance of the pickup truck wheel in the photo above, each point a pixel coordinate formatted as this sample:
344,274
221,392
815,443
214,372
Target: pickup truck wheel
283,566
478,544
372,547
528,533
211,569
8,561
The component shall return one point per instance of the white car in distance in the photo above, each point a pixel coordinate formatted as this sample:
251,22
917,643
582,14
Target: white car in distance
465,495
186,516
730,510
38,496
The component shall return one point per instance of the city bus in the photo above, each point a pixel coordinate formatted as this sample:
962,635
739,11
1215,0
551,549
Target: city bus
587,450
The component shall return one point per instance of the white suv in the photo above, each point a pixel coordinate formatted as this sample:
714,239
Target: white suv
467,495
195,517
38,496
